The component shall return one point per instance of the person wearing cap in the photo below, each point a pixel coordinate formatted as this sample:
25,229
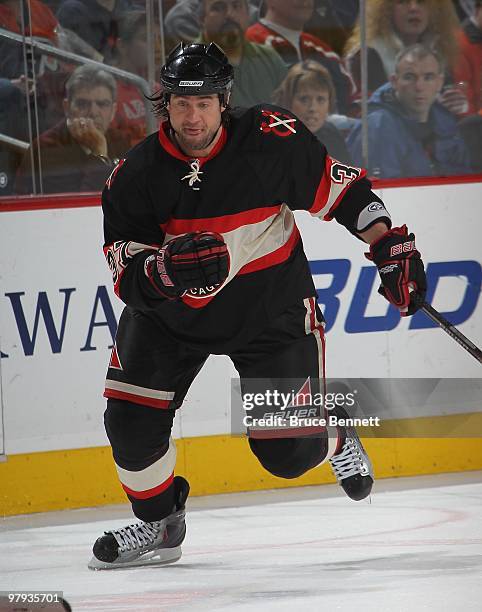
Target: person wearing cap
204,251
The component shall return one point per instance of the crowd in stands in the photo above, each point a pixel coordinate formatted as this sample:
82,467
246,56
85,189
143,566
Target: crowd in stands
64,119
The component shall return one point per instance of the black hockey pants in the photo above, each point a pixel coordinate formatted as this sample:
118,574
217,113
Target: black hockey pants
149,376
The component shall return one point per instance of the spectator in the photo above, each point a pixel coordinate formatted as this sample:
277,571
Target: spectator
131,55
76,154
332,18
395,24
468,69
308,92
11,99
43,28
282,29
50,73
333,22
258,70
409,132
182,21
95,21
15,86
471,130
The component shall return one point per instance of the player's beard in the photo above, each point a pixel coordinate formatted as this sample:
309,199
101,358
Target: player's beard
230,36
195,143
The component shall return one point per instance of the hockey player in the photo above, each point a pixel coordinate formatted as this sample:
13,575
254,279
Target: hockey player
204,250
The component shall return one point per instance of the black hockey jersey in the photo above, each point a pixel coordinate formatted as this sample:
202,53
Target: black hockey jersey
265,165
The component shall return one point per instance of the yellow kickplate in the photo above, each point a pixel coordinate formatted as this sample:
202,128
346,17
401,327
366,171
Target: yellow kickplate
57,480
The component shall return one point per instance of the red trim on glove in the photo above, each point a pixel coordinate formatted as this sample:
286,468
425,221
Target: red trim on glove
397,231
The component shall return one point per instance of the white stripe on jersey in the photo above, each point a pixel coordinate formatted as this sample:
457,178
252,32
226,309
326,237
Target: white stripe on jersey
253,241
116,385
151,476
314,326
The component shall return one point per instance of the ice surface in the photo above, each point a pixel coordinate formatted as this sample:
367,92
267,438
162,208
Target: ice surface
417,546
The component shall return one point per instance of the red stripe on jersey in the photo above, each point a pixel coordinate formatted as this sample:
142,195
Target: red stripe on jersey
312,314
114,172
197,302
226,223
276,257
114,359
152,402
171,148
149,492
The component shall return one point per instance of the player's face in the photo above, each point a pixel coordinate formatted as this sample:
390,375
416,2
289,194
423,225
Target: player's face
410,18
195,121
417,83
225,22
96,104
311,104
291,13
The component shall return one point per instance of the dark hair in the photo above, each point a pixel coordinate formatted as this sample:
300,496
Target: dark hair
194,69
88,76
310,72
419,52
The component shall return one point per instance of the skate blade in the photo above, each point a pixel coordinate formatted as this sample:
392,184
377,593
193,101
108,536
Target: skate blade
162,556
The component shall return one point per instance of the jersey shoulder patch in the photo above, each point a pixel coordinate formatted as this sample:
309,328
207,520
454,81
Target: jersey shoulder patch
276,121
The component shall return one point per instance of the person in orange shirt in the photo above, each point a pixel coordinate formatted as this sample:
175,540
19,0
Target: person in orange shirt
468,69
44,22
43,26
130,54
14,83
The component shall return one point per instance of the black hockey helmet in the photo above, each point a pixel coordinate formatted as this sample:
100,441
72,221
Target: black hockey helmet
196,69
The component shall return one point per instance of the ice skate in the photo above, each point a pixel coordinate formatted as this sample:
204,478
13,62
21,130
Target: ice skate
352,466
156,543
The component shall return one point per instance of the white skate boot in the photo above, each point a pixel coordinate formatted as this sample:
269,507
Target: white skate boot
155,543
352,466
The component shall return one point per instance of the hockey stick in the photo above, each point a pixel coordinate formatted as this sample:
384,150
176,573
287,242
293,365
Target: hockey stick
448,328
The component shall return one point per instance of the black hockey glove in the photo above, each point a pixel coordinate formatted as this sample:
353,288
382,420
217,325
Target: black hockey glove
400,268
198,259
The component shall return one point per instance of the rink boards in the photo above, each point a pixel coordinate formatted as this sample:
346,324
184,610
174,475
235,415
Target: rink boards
58,316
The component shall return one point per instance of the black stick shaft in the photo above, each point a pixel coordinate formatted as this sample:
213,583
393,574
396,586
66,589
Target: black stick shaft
448,328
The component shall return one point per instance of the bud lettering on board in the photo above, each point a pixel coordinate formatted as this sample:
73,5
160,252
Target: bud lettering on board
53,316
